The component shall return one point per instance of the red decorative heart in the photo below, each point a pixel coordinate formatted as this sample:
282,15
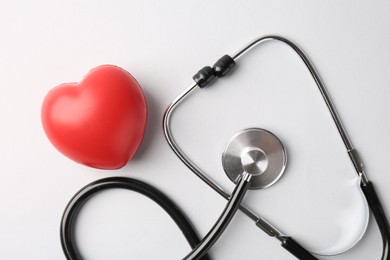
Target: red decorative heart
99,122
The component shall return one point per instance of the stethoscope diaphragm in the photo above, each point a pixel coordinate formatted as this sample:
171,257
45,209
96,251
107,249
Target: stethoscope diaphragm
258,152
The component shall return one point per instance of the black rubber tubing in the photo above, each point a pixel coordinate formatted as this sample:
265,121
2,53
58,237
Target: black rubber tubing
75,204
380,217
297,250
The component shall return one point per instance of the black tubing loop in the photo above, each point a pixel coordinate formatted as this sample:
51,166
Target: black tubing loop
75,204
379,215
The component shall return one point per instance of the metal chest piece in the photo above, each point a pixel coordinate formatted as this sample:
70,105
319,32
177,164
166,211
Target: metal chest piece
257,152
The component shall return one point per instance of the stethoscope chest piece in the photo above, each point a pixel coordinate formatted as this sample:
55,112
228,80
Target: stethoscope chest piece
257,152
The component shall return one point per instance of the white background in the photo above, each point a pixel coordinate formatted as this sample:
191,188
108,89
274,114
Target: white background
162,44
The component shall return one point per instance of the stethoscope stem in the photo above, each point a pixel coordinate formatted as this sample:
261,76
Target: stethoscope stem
224,220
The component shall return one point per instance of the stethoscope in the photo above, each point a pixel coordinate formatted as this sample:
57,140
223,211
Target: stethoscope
253,158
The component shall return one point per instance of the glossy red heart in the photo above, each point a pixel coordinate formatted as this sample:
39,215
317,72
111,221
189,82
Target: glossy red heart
99,122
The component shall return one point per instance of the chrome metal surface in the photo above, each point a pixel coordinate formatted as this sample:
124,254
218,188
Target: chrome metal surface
224,220
321,87
260,221
172,143
255,151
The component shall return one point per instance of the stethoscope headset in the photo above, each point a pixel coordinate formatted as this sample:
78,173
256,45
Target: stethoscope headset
254,158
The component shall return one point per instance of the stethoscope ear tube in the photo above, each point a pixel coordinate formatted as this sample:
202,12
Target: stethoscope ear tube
379,215
206,76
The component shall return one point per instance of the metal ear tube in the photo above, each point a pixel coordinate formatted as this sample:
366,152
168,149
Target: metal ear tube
205,77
